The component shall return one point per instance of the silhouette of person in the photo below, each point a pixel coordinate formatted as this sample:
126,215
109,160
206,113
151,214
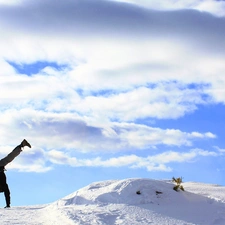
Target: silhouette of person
3,162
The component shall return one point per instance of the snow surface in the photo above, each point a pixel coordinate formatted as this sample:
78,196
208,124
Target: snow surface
117,202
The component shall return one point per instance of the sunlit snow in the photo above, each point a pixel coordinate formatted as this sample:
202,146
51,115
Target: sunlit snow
117,202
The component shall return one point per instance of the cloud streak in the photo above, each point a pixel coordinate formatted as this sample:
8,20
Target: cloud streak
39,160
151,163
73,132
215,7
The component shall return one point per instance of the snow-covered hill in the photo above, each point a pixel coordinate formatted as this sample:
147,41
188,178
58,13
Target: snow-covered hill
118,202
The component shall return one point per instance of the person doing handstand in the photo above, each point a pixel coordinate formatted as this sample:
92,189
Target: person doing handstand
3,162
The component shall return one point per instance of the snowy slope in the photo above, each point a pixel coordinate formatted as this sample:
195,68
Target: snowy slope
116,202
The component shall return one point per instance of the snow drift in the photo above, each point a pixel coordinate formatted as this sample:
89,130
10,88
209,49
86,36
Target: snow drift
120,192
148,201
126,202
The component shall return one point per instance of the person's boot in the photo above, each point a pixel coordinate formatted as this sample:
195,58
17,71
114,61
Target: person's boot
8,206
25,143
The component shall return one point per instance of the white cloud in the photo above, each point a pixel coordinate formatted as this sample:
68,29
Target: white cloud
205,135
123,65
211,6
10,2
78,133
163,101
38,160
151,163
219,149
215,7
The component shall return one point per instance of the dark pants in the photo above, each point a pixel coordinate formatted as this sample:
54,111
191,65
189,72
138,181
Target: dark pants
5,188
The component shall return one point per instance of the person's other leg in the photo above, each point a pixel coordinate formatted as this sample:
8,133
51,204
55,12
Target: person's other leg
7,195
5,188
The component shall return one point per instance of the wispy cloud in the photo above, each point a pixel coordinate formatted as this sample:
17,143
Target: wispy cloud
157,162
38,160
71,131
211,6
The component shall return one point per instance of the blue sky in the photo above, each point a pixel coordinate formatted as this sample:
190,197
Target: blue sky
111,90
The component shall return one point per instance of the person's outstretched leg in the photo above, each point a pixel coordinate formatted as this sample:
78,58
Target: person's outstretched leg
12,155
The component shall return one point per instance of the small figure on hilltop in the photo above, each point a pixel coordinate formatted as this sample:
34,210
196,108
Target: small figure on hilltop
3,162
